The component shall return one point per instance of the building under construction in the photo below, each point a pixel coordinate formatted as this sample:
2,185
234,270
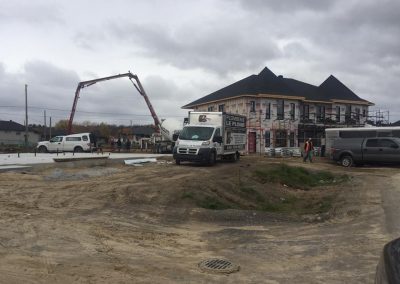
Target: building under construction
283,112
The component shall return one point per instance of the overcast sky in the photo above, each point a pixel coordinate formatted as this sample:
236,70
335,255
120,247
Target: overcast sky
183,50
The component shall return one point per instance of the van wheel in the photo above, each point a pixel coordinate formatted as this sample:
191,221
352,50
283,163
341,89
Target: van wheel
78,149
42,149
346,161
212,159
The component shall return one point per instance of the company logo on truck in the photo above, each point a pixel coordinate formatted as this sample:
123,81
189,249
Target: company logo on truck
235,121
203,118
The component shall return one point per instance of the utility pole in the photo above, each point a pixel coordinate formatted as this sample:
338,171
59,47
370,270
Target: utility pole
50,128
44,129
26,116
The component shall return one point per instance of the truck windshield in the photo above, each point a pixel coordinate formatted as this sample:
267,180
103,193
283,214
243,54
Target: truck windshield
196,133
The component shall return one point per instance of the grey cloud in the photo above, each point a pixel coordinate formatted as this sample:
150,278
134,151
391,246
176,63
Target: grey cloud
287,6
216,48
44,73
30,12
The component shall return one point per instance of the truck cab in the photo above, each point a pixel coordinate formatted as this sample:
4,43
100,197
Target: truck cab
198,144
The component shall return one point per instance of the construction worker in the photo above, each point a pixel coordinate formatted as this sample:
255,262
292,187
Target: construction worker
308,150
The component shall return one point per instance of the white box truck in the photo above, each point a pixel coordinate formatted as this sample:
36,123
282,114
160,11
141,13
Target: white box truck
209,136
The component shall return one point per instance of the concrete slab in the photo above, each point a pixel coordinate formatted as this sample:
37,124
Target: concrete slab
48,158
13,167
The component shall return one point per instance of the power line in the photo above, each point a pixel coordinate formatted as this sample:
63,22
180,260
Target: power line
93,112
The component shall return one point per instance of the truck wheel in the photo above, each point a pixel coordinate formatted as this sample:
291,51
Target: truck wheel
42,149
178,162
78,149
346,161
211,159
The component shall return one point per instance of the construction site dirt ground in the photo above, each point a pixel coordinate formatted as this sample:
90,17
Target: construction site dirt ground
126,224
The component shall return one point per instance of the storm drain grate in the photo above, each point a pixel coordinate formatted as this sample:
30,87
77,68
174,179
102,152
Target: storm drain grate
217,265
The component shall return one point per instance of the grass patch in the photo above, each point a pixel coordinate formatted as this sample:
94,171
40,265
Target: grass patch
251,193
297,177
188,195
283,205
212,203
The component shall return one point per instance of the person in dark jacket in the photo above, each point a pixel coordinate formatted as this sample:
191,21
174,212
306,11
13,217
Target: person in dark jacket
119,144
128,145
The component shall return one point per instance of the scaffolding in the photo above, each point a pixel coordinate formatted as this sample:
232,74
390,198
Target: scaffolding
379,117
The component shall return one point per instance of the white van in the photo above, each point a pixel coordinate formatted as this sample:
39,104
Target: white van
81,142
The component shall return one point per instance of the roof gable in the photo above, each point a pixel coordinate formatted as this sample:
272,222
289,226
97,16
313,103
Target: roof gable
332,88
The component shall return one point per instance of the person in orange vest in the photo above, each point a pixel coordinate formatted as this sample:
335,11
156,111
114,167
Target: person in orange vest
308,150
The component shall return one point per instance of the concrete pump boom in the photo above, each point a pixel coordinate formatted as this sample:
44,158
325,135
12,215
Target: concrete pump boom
133,78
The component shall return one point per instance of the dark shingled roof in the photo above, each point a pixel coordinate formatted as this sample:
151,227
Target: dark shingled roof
305,90
266,82
332,88
9,125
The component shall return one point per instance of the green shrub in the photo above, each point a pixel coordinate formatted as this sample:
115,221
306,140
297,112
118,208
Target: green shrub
297,177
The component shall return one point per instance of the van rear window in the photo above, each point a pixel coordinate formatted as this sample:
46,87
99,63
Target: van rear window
357,134
73,139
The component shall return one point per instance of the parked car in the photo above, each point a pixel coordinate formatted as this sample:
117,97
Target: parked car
81,142
387,270
366,150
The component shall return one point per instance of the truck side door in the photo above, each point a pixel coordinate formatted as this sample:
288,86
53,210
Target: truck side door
218,146
56,144
389,150
370,150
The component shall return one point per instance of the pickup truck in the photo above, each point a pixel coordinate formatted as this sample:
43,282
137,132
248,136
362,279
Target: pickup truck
81,142
366,150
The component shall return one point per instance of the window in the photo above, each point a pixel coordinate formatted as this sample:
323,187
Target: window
305,112
85,138
210,108
56,139
280,110
357,134
357,110
73,139
337,113
217,132
364,113
348,112
372,143
387,143
292,111
291,138
252,106
281,138
268,111
267,139
320,113
221,108
396,133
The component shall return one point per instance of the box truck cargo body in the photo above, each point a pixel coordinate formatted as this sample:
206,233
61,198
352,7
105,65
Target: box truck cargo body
209,136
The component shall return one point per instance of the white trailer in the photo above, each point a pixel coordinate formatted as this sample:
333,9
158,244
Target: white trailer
209,136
